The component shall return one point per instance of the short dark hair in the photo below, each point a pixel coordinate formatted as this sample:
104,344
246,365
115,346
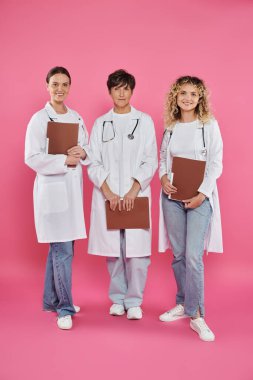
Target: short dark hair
58,70
120,78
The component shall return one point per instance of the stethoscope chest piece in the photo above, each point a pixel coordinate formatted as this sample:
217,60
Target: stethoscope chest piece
204,151
130,136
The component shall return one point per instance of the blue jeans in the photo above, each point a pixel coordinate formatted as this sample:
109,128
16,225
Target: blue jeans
187,230
58,279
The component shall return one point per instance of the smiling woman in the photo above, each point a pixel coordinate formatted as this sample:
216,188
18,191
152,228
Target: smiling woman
191,225
186,94
58,86
58,203
187,98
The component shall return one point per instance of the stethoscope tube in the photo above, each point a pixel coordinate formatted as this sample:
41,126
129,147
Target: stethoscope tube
203,151
130,135
53,119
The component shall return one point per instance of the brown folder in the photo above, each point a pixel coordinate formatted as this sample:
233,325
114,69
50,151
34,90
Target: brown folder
61,137
187,177
138,217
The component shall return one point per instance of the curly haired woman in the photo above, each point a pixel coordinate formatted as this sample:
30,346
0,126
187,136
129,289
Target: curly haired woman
190,226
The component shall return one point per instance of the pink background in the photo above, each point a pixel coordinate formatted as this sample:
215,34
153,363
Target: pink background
157,42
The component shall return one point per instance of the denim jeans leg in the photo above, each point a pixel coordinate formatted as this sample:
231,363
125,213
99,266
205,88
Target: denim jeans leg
198,220
117,271
62,255
50,299
175,220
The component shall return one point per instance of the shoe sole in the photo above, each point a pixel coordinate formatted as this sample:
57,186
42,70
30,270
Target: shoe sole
205,340
117,314
174,319
64,328
134,318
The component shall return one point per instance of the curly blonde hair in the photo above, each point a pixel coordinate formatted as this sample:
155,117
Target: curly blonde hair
172,112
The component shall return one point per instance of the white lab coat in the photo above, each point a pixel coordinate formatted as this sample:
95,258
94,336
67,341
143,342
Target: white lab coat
57,194
208,187
139,161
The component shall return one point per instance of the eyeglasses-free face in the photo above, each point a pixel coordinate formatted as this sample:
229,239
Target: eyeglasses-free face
58,88
121,96
187,97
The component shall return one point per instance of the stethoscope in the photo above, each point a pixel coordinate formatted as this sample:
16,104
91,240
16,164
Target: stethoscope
203,150
130,135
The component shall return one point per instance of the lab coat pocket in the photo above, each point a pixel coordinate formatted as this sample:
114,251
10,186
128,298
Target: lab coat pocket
53,197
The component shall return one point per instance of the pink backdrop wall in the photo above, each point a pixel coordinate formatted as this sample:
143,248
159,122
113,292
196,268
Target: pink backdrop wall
157,42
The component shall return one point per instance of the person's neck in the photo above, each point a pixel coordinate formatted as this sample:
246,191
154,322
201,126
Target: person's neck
121,110
187,117
59,107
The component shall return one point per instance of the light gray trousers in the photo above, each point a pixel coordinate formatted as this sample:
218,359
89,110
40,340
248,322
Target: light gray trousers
128,277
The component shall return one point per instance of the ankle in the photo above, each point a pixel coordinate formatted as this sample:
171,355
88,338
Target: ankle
196,316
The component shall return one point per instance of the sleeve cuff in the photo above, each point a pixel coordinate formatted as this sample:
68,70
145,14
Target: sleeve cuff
203,191
102,179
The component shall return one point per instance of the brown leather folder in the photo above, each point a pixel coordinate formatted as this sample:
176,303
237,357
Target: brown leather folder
138,217
187,177
61,137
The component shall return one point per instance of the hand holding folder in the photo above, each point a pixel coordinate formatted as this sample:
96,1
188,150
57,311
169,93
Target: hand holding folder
187,176
138,217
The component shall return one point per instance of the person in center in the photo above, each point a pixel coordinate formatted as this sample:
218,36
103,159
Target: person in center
124,151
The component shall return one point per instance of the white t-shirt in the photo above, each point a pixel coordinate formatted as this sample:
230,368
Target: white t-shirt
121,122
184,140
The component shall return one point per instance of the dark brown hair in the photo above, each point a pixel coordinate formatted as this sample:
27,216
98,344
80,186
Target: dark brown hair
120,78
57,70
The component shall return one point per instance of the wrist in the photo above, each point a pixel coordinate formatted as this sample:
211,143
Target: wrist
164,179
108,194
202,196
83,155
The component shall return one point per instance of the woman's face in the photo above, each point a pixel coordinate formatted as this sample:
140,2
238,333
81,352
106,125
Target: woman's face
187,97
58,87
121,96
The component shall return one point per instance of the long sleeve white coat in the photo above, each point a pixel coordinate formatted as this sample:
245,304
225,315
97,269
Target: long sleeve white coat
138,161
208,187
57,194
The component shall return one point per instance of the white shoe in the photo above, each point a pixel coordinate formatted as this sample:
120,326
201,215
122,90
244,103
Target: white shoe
117,309
64,323
134,313
172,315
77,309
199,325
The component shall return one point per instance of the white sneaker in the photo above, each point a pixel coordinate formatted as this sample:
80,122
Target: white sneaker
77,309
117,309
172,315
64,323
199,325
134,313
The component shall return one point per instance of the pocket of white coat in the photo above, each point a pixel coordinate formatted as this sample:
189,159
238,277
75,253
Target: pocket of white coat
53,197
